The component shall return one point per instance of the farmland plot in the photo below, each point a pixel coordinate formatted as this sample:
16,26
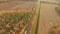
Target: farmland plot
14,22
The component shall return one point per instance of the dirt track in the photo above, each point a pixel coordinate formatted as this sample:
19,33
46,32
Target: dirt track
48,17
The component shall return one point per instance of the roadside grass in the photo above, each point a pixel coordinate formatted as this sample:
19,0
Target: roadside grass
38,16
35,28
34,25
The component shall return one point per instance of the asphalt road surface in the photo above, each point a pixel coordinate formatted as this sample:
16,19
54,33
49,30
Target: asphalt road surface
48,17
16,5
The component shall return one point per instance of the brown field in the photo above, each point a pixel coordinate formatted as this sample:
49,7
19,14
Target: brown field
48,17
